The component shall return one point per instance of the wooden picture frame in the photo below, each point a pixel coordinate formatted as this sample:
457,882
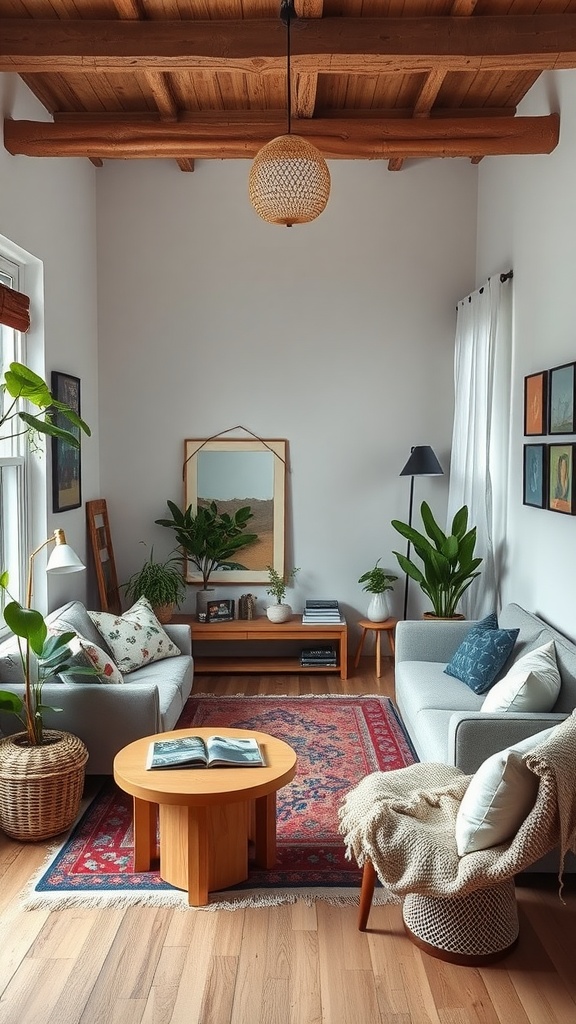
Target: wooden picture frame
561,490
103,553
233,473
220,611
535,475
535,404
66,460
561,392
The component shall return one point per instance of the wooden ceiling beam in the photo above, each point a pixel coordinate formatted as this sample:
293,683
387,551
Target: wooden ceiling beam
220,137
319,45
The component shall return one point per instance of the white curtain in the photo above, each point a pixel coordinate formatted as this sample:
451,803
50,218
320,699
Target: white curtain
480,440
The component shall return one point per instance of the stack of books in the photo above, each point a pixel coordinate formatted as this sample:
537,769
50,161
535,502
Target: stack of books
316,612
323,656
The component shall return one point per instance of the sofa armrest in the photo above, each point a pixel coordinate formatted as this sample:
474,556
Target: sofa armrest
475,735
420,640
105,717
181,635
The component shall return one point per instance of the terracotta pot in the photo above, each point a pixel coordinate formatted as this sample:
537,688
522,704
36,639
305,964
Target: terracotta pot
163,612
443,618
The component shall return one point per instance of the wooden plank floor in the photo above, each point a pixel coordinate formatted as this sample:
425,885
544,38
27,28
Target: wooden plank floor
281,965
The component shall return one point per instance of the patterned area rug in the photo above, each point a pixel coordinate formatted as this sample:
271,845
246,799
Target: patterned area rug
338,740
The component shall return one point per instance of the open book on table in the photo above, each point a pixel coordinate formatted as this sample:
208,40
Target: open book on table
214,752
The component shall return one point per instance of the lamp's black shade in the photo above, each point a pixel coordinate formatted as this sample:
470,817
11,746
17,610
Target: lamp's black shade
422,462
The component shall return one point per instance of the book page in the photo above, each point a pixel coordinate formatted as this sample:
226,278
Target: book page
234,752
187,750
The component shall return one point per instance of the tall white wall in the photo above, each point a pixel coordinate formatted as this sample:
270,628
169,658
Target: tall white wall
337,335
47,209
527,220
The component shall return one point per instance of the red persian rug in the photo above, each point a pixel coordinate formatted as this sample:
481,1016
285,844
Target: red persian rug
338,740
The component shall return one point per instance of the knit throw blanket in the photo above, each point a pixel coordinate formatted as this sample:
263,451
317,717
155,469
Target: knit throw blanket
404,822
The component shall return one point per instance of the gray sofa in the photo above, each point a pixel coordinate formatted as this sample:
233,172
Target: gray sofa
442,714
107,717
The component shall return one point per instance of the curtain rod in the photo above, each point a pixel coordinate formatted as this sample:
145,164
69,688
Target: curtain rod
503,277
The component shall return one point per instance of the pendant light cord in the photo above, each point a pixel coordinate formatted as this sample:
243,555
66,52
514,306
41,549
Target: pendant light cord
287,12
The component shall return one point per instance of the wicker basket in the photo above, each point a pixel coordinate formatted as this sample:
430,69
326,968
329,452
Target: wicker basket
40,787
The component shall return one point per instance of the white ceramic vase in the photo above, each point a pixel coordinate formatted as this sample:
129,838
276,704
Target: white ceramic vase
279,612
378,608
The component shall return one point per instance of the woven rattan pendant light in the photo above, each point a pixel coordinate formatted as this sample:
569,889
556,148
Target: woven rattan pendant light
289,180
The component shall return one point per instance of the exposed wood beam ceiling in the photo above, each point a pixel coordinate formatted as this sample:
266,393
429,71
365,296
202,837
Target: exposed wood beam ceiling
136,85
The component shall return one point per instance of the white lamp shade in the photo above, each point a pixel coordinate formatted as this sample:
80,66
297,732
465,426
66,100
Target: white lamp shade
64,559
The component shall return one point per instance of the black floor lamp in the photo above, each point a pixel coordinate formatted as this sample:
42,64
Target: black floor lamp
422,462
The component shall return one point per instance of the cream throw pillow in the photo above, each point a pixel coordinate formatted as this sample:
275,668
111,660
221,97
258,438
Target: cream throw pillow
135,638
84,652
532,684
498,798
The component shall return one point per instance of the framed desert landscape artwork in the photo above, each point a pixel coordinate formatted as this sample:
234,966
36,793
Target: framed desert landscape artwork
561,491
234,473
535,475
561,380
535,403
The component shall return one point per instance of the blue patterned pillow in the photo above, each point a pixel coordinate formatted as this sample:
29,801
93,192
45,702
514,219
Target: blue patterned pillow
482,654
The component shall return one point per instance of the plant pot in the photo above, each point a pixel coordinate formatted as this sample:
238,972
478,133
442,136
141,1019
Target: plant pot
40,786
163,612
378,609
279,612
443,618
202,599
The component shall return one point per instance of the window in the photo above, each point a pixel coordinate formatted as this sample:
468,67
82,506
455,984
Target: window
13,458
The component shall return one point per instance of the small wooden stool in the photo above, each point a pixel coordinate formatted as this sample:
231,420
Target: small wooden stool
388,626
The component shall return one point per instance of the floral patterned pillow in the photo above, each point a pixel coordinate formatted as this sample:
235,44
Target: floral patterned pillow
136,637
84,652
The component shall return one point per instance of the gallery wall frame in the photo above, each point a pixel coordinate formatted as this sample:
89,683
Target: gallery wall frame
234,472
561,393
535,475
536,404
66,460
561,490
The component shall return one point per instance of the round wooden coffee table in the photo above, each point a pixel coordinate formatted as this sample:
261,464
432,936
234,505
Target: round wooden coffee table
206,815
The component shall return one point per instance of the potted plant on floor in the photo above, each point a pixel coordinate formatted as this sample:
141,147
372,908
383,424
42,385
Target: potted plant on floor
277,586
41,770
448,562
376,582
210,540
162,583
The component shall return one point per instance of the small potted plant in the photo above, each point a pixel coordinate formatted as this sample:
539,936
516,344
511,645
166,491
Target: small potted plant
277,585
162,583
376,582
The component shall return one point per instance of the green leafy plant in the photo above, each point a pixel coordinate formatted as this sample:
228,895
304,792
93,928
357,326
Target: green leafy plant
42,656
210,539
160,582
277,584
448,562
21,383
376,580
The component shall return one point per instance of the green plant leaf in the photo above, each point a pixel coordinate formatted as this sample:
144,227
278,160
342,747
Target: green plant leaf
431,526
11,702
27,623
460,522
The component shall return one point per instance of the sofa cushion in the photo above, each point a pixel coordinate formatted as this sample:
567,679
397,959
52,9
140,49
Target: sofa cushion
74,617
498,798
11,670
161,674
532,684
482,654
136,637
89,655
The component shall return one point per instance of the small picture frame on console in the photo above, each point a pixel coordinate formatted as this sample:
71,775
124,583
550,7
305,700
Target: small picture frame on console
561,491
535,403
220,611
535,476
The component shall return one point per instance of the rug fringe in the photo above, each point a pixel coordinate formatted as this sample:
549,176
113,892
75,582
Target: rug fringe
178,900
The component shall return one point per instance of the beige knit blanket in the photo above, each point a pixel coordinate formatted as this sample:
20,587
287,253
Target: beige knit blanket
404,822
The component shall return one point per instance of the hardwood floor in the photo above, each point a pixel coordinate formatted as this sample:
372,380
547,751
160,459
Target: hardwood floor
281,965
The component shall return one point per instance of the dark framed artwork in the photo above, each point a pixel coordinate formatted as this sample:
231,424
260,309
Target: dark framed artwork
66,461
535,403
535,477
561,491
561,381
220,611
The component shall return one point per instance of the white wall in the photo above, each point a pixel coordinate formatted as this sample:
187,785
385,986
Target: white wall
527,220
47,208
337,335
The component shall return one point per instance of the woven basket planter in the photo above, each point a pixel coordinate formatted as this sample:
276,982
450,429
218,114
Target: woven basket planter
40,787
